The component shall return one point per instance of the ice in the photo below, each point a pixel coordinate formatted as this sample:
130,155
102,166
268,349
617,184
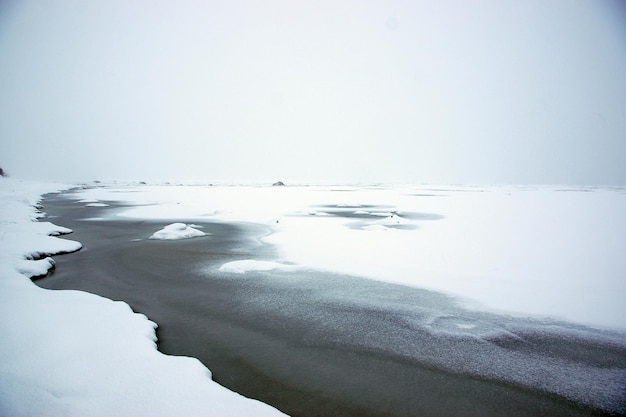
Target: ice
382,214
527,251
393,220
248,265
177,231
524,250
376,228
70,353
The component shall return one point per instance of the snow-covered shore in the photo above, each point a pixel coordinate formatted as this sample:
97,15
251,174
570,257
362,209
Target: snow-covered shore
70,353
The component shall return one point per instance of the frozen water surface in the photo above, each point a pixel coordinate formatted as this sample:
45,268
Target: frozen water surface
520,285
507,265
528,250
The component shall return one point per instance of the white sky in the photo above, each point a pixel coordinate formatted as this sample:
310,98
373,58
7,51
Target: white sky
346,91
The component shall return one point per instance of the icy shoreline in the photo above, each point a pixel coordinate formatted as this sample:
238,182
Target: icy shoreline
70,353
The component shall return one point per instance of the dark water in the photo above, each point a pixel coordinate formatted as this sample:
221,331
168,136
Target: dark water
318,344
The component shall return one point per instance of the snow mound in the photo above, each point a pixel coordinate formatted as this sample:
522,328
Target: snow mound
177,231
248,265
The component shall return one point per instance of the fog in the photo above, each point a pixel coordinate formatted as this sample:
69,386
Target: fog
330,91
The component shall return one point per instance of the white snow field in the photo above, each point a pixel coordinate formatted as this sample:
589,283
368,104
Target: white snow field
539,251
70,353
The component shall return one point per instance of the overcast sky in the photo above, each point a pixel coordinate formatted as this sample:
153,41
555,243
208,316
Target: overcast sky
417,91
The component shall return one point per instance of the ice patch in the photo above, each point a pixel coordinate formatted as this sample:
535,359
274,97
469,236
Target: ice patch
527,250
249,265
317,213
393,220
376,228
50,229
382,213
92,202
177,231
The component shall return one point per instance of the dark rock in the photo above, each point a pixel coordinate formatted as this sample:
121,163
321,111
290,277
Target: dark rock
278,184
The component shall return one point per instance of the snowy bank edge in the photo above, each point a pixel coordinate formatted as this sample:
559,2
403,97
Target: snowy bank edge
44,374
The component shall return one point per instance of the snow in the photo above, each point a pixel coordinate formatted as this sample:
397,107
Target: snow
70,353
537,251
248,265
376,228
34,268
392,220
540,251
177,231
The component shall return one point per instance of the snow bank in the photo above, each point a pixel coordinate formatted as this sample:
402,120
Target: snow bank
24,243
549,251
177,231
70,353
248,265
